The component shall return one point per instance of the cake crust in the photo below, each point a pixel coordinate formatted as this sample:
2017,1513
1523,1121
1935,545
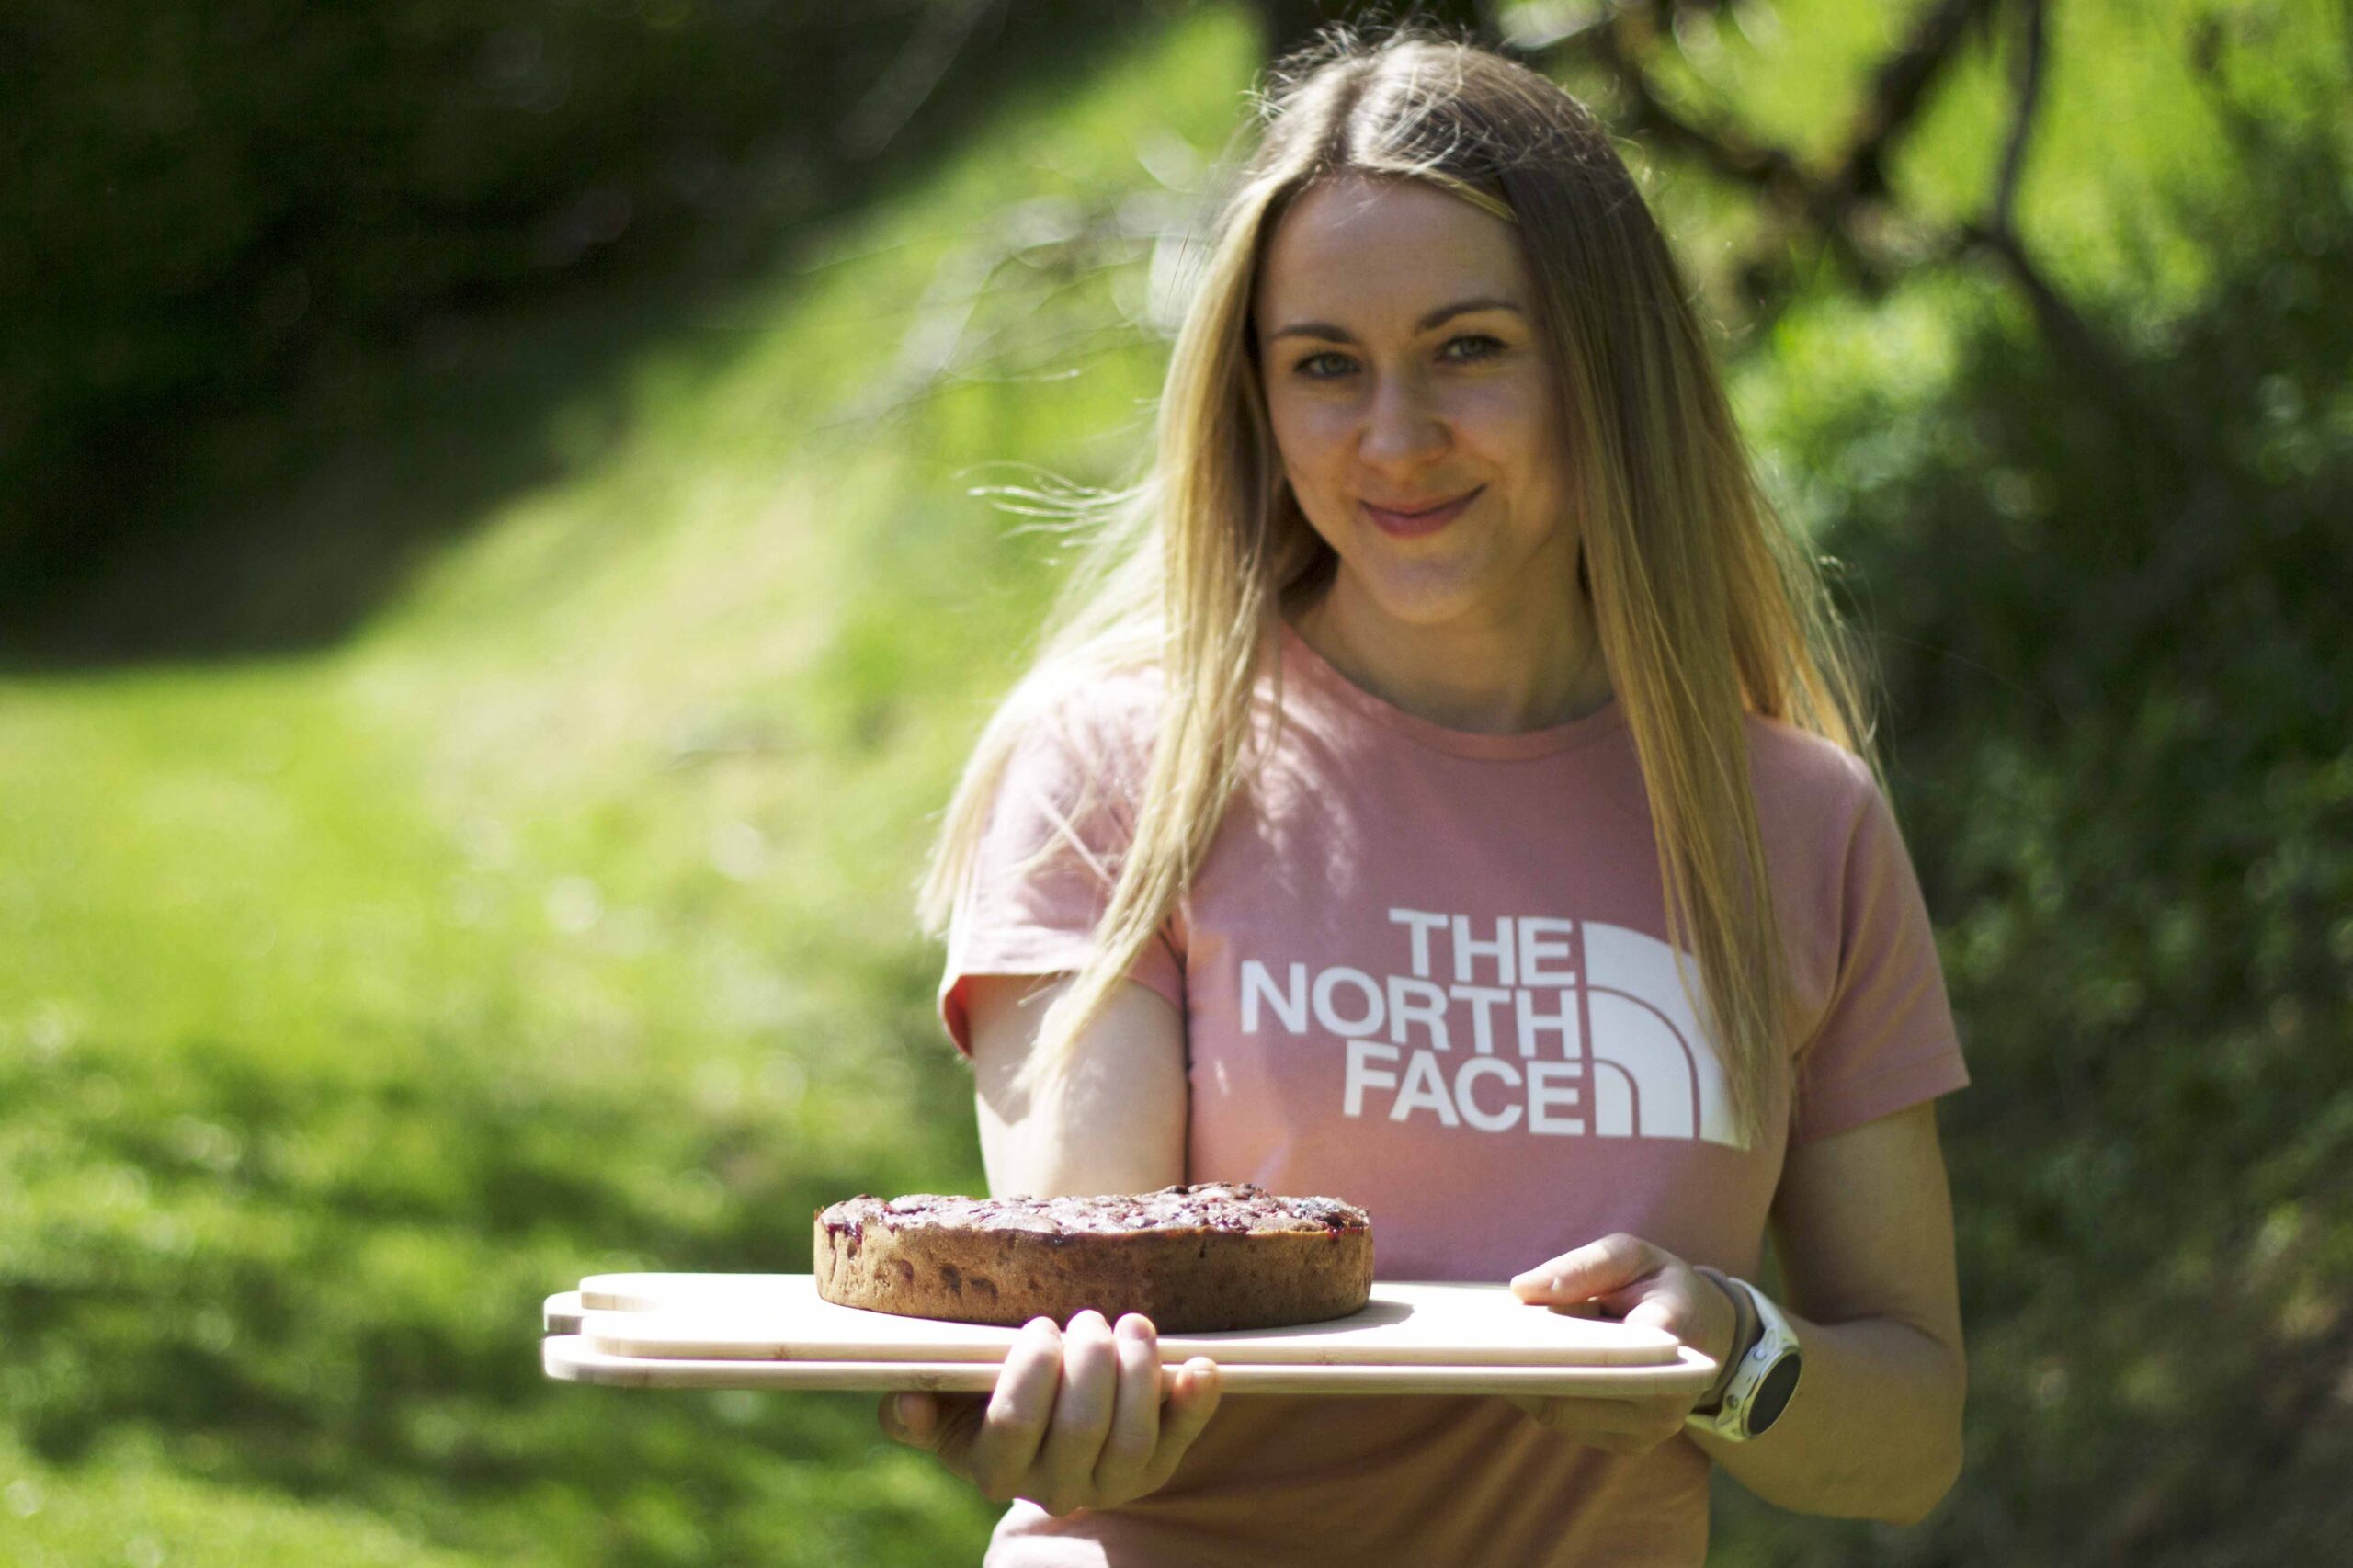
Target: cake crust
1194,1259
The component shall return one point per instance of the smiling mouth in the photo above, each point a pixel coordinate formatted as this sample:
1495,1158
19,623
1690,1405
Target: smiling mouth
1421,519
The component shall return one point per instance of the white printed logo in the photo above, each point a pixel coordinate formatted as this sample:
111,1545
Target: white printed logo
1573,1028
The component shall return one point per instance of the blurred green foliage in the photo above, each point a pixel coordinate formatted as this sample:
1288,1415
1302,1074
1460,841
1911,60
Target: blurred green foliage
558,922
2125,694
2121,696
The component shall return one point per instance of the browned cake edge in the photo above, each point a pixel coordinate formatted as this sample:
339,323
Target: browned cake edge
1192,1280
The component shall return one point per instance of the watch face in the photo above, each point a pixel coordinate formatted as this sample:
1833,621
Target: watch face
1773,1394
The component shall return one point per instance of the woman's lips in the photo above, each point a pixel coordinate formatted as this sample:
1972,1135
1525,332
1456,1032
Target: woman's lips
1413,525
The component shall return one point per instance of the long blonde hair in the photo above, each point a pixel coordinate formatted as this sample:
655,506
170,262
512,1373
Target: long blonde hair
1704,604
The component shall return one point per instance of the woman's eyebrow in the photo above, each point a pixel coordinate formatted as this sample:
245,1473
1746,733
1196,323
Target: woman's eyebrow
1437,318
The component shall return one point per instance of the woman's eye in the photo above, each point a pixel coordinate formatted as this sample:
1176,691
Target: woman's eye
1330,364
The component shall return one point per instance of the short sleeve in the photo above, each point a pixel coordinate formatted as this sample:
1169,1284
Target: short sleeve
1886,1040
1048,859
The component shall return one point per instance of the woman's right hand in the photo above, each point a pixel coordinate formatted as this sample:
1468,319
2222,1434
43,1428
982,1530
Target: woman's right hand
1076,1420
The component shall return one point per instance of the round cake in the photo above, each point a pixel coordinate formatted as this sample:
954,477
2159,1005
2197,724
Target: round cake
1193,1259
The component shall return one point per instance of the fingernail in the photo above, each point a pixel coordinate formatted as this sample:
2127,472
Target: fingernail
905,1408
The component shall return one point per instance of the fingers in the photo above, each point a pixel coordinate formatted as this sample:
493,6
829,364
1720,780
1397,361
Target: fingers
910,1418
1682,1301
1082,1416
1006,1445
1626,1279
944,1425
1077,1418
1195,1390
1135,1436
1597,1268
1672,1312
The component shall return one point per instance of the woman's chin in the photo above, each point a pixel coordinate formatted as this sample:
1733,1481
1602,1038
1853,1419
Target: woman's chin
1404,602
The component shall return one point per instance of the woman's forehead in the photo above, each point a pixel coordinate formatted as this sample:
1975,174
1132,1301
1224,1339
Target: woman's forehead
1385,251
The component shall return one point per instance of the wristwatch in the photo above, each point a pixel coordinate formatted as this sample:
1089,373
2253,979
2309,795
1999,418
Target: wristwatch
1764,1368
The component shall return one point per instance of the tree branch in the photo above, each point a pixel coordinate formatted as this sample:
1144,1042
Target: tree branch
2029,79
1899,89
1841,208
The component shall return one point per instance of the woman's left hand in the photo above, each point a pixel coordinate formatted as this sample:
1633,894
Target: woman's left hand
1626,1279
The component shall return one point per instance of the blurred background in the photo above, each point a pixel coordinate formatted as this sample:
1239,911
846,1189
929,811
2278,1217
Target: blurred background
492,599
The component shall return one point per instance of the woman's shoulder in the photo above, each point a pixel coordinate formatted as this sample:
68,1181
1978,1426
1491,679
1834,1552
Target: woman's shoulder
1103,720
1805,780
1123,698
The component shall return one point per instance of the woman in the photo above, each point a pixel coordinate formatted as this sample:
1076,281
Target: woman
1443,788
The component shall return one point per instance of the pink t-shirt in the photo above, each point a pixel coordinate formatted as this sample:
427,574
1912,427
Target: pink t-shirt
1424,970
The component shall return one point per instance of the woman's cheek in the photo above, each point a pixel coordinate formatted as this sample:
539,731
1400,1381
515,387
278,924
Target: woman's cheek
1291,445
1308,448
1507,415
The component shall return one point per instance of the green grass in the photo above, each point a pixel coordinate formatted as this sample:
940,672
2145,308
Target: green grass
560,921
139,1511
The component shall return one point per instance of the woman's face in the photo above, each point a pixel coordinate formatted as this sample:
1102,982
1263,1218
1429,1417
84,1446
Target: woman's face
1415,416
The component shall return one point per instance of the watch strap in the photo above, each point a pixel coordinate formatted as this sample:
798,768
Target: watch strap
1745,1326
1765,1376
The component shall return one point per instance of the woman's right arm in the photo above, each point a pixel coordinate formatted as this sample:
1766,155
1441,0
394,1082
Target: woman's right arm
1087,1418
1120,1123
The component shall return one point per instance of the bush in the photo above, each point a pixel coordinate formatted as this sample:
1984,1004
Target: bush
2120,680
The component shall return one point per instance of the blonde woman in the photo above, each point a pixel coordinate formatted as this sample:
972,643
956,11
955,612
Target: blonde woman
1443,788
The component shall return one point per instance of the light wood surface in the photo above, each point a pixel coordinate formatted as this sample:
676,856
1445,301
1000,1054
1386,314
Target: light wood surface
773,1331
573,1359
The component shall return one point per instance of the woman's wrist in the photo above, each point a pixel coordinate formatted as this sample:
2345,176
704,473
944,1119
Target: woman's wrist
1744,1328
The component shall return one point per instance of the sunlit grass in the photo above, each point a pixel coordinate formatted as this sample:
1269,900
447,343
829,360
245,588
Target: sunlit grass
560,921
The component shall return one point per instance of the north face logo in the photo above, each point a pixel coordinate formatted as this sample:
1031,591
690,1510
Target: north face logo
1568,1028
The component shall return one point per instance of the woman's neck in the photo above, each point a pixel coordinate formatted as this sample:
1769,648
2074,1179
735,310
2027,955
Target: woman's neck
1492,678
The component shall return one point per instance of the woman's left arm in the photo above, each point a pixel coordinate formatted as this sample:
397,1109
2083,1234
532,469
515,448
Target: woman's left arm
1862,1224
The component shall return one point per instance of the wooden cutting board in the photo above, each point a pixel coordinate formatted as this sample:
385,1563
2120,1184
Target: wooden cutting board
773,1331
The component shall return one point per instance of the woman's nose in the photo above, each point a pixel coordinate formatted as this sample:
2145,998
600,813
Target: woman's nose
1402,423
